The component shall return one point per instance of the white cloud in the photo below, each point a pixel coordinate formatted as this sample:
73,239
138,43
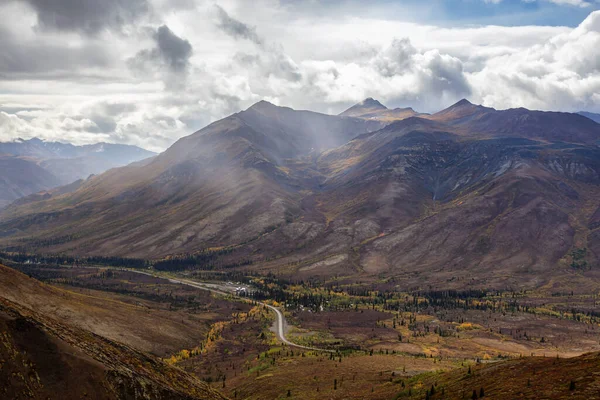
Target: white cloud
561,73
241,53
576,3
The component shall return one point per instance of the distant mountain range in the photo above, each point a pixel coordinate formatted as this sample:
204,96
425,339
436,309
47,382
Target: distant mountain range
592,116
466,197
34,165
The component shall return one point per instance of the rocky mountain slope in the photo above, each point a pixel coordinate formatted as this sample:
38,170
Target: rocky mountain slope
230,182
43,358
466,196
31,166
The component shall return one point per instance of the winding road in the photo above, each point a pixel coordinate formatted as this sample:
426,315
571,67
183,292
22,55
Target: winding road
280,322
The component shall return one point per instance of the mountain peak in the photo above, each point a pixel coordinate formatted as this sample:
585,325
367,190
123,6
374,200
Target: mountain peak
262,105
463,108
368,105
372,103
462,103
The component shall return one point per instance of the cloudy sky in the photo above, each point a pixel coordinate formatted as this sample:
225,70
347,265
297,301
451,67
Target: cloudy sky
148,72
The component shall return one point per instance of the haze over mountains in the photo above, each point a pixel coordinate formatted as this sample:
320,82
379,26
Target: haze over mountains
592,116
469,194
34,165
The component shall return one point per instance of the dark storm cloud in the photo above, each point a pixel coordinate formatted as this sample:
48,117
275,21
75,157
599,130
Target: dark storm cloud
174,50
87,16
170,51
235,28
44,59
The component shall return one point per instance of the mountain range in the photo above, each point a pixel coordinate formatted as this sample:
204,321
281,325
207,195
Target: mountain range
34,165
466,196
592,116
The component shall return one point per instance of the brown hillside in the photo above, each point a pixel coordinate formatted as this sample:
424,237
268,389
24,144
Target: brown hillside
43,358
526,378
520,122
443,199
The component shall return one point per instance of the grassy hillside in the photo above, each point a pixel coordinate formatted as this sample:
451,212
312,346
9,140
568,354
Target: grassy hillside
526,378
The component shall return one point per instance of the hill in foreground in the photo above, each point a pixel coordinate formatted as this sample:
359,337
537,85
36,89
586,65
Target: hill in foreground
43,358
524,378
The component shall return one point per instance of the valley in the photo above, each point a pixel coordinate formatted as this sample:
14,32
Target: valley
382,254
386,343
310,200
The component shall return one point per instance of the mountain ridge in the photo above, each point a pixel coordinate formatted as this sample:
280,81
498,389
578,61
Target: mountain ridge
593,116
279,189
471,119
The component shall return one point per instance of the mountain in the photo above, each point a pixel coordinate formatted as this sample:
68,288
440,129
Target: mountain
43,356
470,119
41,149
289,133
450,199
77,162
367,106
49,193
373,109
594,117
21,176
228,183
69,162
440,208
30,166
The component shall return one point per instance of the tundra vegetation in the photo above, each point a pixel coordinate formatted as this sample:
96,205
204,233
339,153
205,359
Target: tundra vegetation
386,342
